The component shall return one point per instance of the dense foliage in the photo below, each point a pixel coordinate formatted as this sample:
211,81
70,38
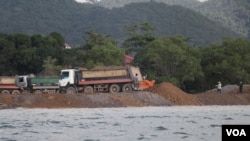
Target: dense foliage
22,54
46,55
169,58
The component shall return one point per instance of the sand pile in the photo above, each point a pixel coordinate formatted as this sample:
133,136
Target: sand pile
174,94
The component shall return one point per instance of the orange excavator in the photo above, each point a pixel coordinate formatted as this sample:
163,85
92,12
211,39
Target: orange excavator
146,84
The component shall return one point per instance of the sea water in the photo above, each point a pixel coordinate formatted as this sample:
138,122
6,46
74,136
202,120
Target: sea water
174,123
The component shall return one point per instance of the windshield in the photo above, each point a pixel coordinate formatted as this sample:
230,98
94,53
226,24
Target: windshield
64,75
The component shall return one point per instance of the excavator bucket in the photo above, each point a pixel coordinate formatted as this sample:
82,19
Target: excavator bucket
146,84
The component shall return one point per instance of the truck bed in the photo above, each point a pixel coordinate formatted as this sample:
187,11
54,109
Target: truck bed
105,72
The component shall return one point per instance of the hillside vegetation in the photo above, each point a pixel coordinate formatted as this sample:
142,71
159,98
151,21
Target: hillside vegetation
233,14
72,20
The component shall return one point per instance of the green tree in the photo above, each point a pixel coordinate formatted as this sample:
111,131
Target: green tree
71,57
56,40
139,37
101,50
108,55
26,61
46,46
7,53
24,54
227,62
94,39
170,59
50,67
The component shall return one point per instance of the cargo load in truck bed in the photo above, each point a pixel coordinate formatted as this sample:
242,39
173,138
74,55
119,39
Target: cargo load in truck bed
7,80
102,72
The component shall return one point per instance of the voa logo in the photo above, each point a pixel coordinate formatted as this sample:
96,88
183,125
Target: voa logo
236,132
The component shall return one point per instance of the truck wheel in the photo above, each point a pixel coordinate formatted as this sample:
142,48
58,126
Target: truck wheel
114,88
38,92
126,88
71,90
15,92
88,90
5,92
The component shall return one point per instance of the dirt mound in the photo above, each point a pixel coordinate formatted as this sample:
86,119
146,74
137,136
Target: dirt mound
174,94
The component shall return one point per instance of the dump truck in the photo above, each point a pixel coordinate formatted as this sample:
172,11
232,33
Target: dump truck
8,85
28,84
102,79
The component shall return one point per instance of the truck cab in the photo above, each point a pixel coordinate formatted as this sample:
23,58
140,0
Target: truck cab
23,82
69,78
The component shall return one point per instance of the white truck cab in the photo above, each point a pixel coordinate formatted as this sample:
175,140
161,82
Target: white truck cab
67,77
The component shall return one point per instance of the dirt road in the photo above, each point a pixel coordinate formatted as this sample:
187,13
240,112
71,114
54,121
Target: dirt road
164,94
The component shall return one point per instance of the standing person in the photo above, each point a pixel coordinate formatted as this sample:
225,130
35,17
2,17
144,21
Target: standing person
240,87
136,82
219,87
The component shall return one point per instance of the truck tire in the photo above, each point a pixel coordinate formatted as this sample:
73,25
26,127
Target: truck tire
88,90
15,92
5,92
126,88
71,90
114,88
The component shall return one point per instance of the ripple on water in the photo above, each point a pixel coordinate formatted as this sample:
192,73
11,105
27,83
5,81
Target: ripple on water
130,117
191,121
246,115
215,125
34,132
102,122
27,124
91,118
161,128
91,140
7,139
143,137
7,126
181,133
55,122
228,118
208,118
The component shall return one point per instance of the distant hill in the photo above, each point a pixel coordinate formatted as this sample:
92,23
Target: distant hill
72,20
233,14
